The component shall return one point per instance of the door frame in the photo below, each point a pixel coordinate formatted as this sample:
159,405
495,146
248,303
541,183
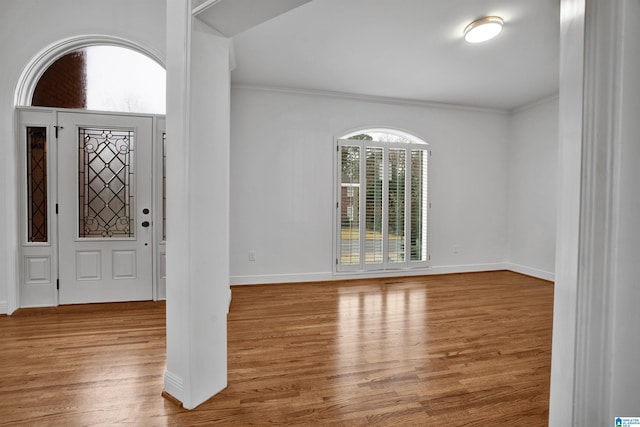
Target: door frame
38,262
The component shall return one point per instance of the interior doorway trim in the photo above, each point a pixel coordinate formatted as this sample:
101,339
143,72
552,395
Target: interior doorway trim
46,57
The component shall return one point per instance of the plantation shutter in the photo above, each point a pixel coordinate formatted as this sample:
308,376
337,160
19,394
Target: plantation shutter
382,205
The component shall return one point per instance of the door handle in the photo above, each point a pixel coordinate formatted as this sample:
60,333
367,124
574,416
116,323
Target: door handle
145,223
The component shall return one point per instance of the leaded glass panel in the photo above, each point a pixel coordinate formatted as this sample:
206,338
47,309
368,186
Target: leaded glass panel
37,212
164,186
105,177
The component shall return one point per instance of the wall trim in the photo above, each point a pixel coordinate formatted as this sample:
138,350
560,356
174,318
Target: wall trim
173,385
531,271
562,405
534,104
467,268
267,279
365,98
204,6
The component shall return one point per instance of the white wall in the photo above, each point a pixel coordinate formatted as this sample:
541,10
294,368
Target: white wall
282,206
26,28
532,164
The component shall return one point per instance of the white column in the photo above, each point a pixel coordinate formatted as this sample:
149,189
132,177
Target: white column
625,302
198,86
595,374
568,225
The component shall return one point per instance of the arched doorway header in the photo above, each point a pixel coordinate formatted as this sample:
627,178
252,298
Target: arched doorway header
46,57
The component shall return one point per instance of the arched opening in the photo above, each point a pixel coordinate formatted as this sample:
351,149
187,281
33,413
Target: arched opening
46,57
103,78
383,201
109,177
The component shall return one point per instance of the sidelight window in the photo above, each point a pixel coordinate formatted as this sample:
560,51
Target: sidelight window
37,208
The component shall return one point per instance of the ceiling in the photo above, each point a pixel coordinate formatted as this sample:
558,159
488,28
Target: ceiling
407,49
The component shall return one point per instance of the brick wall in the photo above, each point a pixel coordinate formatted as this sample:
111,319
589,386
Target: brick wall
64,83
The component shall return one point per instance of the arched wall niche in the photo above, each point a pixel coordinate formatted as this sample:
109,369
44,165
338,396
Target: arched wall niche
46,57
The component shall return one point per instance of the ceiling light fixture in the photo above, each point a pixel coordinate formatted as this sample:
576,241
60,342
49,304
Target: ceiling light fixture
483,29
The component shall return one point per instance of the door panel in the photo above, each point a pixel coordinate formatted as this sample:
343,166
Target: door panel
104,217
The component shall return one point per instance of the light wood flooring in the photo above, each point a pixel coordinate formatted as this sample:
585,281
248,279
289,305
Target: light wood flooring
455,350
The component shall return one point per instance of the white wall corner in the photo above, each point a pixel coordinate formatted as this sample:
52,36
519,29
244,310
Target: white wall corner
531,271
232,55
536,103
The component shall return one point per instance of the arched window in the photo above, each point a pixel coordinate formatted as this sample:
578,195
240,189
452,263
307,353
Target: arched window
105,78
382,201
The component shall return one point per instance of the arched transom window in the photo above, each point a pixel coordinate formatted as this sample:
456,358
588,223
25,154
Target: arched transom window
382,201
104,78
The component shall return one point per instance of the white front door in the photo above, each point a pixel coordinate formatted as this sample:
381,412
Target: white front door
104,213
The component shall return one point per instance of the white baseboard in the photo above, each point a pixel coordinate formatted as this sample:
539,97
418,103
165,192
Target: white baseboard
468,268
329,276
173,385
4,307
268,279
530,271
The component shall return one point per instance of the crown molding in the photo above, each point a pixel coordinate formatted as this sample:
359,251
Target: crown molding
366,98
534,104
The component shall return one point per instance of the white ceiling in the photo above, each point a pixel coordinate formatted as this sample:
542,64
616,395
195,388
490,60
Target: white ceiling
408,49
231,17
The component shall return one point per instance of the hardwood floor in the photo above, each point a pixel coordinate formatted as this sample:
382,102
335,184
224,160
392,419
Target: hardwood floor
456,350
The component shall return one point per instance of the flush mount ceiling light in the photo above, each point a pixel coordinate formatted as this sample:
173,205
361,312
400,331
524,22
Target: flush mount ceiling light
483,29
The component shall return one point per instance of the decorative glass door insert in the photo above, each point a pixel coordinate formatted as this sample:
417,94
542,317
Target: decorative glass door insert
106,200
37,221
